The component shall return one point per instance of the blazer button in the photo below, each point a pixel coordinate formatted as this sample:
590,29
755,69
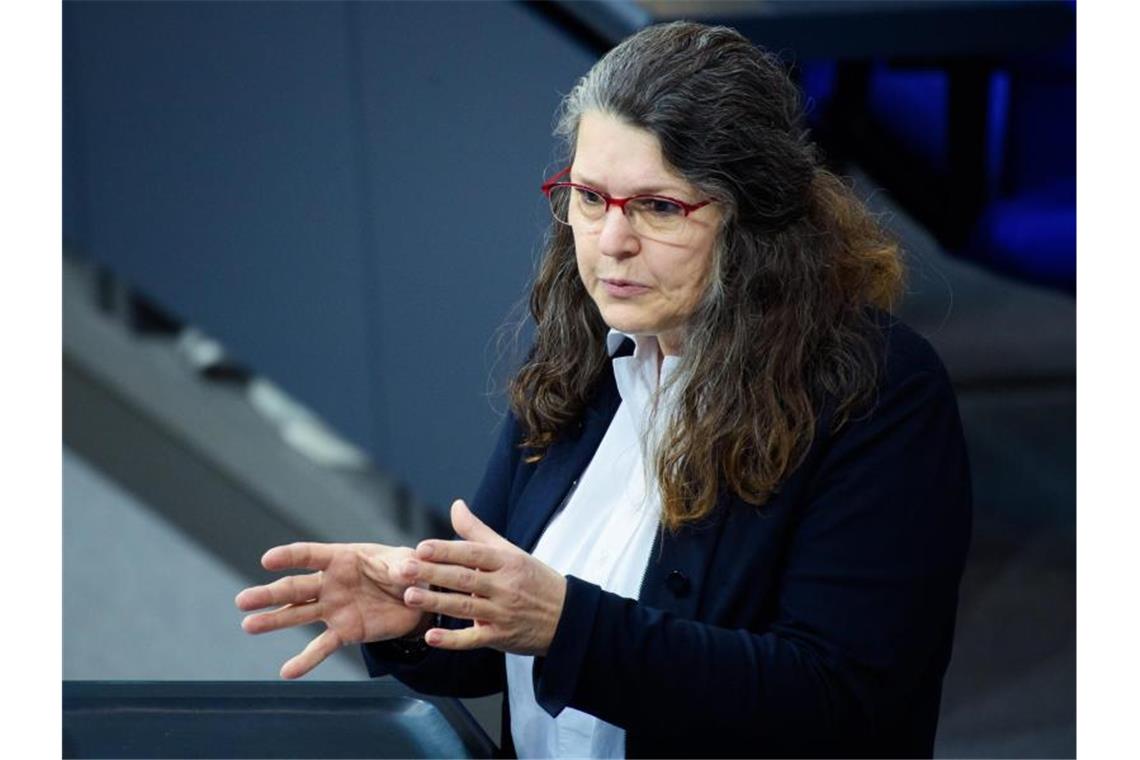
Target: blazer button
678,583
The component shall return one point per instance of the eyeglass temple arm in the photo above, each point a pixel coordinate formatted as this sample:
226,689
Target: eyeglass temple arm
554,180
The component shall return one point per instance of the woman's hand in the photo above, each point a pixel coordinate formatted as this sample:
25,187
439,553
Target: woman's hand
353,591
514,599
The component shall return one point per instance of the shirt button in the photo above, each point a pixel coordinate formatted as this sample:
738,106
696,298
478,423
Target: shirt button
678,583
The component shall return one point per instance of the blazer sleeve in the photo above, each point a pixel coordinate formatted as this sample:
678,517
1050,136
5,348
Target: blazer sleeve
477,672
866,601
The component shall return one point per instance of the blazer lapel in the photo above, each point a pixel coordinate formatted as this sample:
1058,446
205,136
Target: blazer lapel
678,563
559,469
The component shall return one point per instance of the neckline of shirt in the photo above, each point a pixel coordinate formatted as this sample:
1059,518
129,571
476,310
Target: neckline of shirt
644,347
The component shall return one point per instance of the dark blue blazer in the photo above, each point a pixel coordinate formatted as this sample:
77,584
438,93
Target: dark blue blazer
819,625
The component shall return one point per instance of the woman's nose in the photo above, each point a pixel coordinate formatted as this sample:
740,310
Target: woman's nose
617,237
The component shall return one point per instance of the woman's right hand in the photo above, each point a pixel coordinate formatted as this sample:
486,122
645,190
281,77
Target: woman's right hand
355,591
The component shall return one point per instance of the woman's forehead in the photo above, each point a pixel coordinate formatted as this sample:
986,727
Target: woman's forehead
621,159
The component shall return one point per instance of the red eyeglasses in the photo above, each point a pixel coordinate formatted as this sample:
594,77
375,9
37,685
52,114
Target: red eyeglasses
586,207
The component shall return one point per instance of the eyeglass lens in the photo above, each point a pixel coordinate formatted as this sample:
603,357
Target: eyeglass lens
648,215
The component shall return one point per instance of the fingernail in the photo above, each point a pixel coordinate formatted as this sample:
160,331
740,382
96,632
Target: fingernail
411,567
433,637
425,550
413,596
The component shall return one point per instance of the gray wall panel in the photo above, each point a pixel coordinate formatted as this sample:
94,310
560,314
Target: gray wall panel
73,196
346,195
223,180
459,101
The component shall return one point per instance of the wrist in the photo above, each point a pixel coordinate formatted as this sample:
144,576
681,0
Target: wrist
411,647
428,621
553,619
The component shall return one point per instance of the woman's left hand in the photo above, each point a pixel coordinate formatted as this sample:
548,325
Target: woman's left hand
514,599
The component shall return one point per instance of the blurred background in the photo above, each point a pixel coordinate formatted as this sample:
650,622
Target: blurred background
297,238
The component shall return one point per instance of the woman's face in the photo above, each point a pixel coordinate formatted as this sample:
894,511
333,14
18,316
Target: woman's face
641,286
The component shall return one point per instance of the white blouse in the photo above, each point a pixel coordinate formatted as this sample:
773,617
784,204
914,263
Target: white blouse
603,534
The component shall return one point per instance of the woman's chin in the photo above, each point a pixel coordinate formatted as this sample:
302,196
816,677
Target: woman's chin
625,318
627,326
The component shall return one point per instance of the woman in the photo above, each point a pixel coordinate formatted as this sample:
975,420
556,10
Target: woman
729,511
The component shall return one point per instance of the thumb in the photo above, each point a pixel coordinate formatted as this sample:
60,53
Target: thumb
470,527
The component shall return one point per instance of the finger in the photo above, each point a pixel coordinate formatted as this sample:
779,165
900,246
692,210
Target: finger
473,637
466,553
380,572
454,577
302,554
468,526
286,617
292,589
312,656
462,606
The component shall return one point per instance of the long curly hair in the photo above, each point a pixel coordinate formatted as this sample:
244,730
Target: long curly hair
785,326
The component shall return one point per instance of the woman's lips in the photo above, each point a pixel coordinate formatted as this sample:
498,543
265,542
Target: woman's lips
624,288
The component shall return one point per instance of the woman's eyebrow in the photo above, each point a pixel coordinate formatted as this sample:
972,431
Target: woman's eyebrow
672,190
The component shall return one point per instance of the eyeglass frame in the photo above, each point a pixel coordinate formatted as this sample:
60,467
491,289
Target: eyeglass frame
553,182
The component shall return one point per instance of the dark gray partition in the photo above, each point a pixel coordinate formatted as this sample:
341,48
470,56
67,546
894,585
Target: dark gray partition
458,106
346,195
221,172
242,719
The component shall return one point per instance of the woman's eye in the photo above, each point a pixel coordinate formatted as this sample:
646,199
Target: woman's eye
659,207
589,197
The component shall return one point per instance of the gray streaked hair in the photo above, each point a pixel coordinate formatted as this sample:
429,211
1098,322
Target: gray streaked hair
784,325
